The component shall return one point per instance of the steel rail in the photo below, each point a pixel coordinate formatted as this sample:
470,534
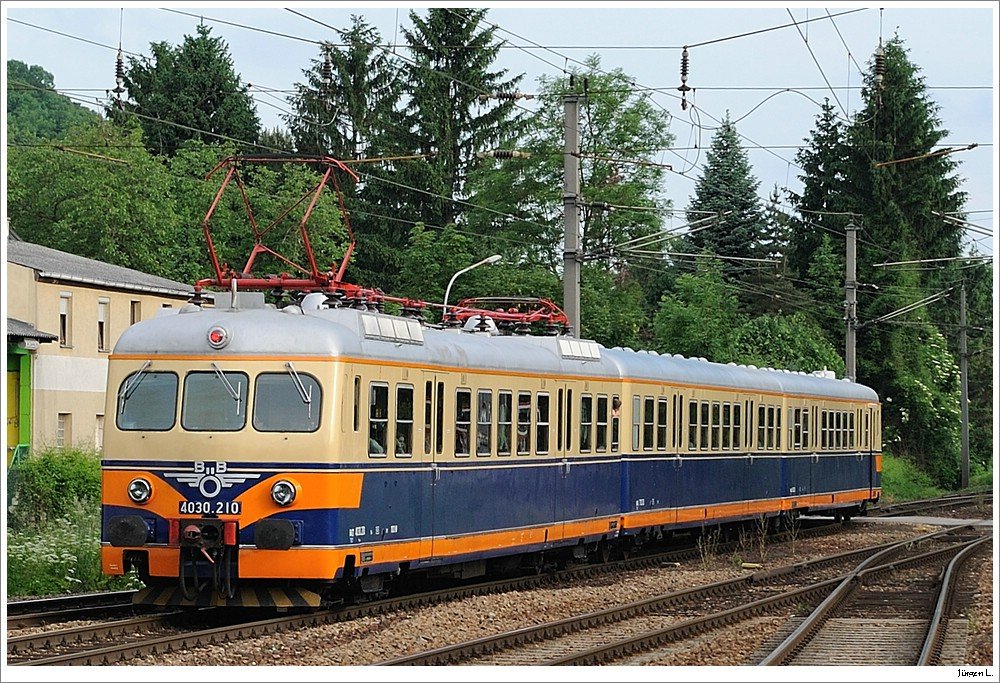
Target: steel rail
659,637
811,624
20,608
930,653
17,645
453,653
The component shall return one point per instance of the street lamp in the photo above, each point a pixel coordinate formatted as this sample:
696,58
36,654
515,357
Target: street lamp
489,259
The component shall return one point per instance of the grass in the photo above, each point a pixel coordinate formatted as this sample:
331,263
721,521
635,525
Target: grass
61,556
54,525
901,480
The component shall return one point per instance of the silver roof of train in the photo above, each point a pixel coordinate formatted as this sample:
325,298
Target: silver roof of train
354,333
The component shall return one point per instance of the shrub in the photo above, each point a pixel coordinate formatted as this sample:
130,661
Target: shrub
62,555
47,485
902,480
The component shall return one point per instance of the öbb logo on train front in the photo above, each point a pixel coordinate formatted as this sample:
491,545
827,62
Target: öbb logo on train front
210,477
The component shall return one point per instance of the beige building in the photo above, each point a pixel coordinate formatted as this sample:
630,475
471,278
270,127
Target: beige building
85,305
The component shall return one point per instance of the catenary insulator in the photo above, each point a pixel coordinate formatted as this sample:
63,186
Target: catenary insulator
683,87
880,66
119,73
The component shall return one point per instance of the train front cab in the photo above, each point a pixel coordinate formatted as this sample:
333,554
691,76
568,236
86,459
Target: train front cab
211,496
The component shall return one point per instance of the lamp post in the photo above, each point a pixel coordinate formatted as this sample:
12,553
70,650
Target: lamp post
447,291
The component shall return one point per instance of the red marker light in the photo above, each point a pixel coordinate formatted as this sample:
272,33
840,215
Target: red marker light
218,337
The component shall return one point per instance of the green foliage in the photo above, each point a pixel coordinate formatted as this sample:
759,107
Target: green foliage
727,185
792,342
611,309
194,85
115,207
34,110
902,480
49,483
701,318
61,555
453,51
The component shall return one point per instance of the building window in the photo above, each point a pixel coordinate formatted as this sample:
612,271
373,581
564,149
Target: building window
102,324
65,319
99,432
135,312
64,429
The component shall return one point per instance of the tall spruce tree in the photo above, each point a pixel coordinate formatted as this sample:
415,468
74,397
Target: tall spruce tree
453,51
347,104
727,184
194,85
348,108
899,200
822,201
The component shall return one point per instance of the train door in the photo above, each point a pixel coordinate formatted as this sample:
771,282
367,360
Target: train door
867,446
431,453
563,481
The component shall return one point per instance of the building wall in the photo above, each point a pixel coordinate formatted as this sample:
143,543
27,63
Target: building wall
69,375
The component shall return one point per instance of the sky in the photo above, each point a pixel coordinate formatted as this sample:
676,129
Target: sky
770,82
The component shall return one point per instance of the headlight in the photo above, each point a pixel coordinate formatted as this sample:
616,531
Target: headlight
283,492
139,490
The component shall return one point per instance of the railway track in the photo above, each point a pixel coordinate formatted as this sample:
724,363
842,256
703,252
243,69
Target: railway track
912,600
627,634
26,613
154,634
914,507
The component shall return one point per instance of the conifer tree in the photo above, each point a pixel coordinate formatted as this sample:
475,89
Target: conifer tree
727,184
453,51
898,188
195,85
823,197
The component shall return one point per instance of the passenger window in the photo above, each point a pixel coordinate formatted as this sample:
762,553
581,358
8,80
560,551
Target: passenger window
524,423
378,420
439,445
569,420
147,401
357,403
636,417
647,424
726,426
737,432
703,427
805,429
214,401
692,425
428,415
823,430
286,402
602,424
586,422
761,427
616,415
770,428
404,421
661,424
777,428
542,424
463,421
559,421
504,422
484,423
716,426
